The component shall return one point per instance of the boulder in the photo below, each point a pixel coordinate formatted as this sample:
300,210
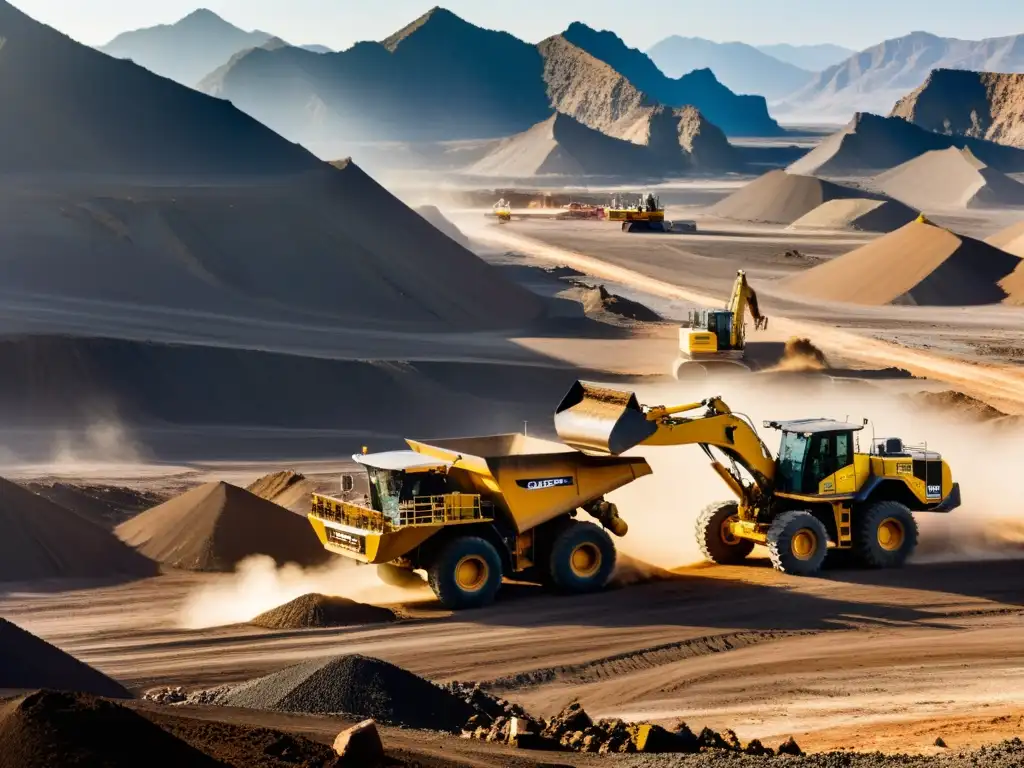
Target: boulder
359,746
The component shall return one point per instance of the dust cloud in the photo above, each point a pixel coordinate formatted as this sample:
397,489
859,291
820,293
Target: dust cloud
661,509
259,585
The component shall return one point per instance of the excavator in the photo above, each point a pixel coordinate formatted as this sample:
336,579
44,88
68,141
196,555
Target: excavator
821,494
718,337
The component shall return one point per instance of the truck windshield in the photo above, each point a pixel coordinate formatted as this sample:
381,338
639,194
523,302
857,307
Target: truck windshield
386,491
792,453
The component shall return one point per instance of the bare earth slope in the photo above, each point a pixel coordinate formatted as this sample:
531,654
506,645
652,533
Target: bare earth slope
40,540
950,179
781,197
861,214
1010,239
982,105
113,115
216,526
918,264
870,143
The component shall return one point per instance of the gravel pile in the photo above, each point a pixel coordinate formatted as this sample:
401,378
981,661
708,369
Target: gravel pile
1008,754
48,729
28,662
316,610
354,685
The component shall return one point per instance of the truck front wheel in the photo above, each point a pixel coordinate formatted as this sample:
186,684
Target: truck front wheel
466,573
582,558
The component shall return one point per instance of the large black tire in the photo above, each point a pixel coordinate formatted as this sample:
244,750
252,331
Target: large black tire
396,576
797,543
715,543
582,558
885,535
465,573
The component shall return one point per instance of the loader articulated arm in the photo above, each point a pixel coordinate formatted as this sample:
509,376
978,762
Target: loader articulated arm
599,420
743,298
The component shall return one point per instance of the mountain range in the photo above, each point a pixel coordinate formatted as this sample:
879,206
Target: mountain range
813,58
874,79
741,67
192,47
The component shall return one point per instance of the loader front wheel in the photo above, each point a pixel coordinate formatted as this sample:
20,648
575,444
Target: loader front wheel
885,536
797,543
716,541
466,573
582,558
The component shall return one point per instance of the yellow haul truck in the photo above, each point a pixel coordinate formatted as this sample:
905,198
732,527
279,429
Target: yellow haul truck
469,511
820,491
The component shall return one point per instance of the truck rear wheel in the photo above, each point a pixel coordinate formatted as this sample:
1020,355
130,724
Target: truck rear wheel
582,558
466,573
885,535
797,543
716,542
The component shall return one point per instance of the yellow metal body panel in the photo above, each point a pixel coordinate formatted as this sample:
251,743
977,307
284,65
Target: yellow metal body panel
700,342
632,214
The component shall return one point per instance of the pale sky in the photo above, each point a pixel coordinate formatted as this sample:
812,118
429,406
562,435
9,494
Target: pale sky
339,23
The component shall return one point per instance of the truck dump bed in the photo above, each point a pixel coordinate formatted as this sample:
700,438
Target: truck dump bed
532,480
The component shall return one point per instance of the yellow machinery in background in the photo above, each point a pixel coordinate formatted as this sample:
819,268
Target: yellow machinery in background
820,493
470,510
713,337
646,215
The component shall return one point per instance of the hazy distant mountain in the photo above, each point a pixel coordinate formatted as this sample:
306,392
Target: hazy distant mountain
740,67
813,58
70,108
439,78
982,105
874,79
736,115
314,48
191,48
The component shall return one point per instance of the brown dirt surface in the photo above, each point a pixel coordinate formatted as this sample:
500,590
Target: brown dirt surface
981,105
117,115
861,215
598,300
355,685
953,178
216,526
105,505
29,662
919,263
41,540
959,404
315,610
1010,239
272,485
780,197
47,729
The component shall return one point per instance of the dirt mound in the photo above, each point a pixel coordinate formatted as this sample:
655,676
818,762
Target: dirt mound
597,300
950,178
980,105
919,263
432,214
107,506
272,485
562,146
869,144
42,540
781,197
316,610
958,404
47,729
354,685
864,215
29,662
1010,239
802,354
216,526
118,117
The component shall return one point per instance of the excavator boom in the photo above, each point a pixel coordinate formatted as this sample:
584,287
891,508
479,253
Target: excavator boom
600,420
744,298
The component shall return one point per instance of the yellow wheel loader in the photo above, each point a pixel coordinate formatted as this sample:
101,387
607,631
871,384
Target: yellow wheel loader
469,511
647,215
820,494
717,338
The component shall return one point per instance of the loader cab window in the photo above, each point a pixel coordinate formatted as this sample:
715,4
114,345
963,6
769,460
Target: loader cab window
422,484
792,454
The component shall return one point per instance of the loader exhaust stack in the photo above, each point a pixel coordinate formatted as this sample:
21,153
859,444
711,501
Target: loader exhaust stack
599,420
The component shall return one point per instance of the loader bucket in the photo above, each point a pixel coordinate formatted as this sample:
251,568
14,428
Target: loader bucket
599,420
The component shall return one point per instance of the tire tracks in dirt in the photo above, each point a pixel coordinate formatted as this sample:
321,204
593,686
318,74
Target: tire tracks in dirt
639,660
